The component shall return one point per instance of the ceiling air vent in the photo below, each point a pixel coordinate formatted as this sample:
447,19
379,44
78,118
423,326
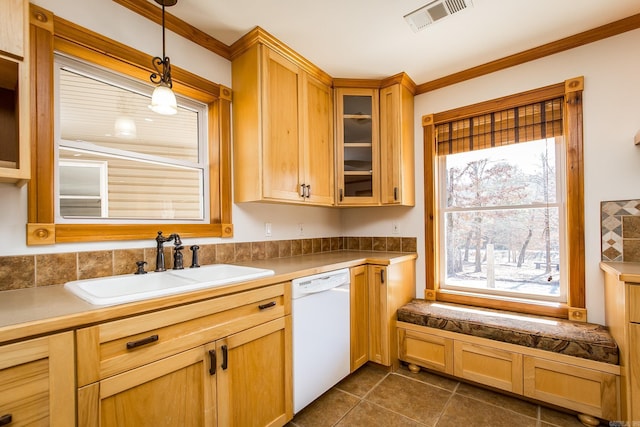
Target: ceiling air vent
420,18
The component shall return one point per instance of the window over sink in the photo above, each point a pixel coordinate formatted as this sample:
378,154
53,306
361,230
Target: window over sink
152,167
205,163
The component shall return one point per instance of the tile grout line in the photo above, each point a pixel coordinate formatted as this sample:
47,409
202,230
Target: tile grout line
361,399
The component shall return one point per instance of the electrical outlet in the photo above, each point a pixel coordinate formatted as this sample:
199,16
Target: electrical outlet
300,229
267,229
395,228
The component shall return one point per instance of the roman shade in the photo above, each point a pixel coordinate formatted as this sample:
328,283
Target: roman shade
530,122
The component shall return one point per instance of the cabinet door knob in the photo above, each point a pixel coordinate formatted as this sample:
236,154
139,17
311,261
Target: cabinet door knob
213,362
6,419
143,341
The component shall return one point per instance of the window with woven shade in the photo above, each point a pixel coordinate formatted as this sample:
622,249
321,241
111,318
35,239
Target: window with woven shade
498,207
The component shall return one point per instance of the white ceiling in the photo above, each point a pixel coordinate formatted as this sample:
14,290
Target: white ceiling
371,39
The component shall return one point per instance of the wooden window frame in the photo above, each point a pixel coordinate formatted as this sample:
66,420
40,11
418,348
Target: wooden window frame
49,33
574,308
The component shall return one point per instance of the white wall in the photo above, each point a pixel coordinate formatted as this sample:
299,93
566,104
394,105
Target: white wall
611,103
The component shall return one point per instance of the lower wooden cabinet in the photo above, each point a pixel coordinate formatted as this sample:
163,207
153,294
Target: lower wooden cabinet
390,287
37,378
359,306
219,362
585,386
240,380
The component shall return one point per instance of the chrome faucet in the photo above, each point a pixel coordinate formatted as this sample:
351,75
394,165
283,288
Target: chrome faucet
160,241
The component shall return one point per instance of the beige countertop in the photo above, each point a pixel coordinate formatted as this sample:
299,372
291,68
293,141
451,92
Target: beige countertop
41,310
624,271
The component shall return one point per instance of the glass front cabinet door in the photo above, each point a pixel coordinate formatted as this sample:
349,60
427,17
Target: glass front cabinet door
357,146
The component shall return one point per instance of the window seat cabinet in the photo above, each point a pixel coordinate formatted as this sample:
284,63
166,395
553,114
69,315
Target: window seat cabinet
224,361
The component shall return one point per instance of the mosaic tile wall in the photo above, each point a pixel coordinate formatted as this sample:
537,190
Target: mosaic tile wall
620,221
25,271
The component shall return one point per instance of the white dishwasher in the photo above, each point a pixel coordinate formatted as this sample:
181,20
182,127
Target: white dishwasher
321,334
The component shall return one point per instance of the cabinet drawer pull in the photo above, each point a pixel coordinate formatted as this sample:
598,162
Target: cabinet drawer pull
143,341
341,194
308,192
381,276
267,305
225,357
6,420
395,194
212,359
302,190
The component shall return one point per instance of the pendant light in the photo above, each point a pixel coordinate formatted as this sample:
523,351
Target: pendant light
163,100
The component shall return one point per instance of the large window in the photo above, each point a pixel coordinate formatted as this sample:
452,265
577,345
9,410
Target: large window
503,187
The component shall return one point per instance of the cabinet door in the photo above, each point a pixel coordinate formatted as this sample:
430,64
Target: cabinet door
634,368
254,376
486,365
318,144
572,387
378,331
396,146
15,144
357,146
12,30
37,378
426,350
359,317
177,390
281,151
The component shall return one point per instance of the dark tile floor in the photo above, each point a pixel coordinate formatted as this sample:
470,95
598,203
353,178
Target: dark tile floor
372,396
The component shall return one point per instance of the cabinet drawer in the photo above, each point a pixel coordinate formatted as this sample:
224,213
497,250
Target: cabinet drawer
572,387
114,347
429,351
634,303
496,368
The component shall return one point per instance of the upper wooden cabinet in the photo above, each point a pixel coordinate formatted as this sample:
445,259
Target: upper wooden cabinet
397,176
357,146
15,164
374,142
282,127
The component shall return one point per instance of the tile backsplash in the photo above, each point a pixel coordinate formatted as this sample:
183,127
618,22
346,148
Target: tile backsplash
620,230
26,271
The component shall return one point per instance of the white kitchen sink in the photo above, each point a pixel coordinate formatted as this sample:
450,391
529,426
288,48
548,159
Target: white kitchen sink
135,287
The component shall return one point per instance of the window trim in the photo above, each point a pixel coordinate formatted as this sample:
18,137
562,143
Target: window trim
49,33
571,90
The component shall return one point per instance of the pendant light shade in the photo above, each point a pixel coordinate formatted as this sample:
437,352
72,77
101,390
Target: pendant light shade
163,100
